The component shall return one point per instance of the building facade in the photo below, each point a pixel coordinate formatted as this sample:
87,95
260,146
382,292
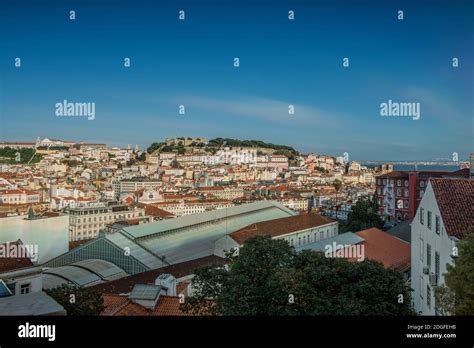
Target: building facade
85,222
443,218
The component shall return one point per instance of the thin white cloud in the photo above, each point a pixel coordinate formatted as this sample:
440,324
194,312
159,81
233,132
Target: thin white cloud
433,104
275,111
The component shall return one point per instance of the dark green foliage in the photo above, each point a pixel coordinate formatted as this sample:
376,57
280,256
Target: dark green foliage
268,274
363,215
457,296
250,143
9,155
78,301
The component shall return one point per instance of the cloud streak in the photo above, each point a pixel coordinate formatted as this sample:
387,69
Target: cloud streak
275,111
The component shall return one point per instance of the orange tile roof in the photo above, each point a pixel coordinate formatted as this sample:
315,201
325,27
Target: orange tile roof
13,263
154,211
280,226
76,243
181,287
385,248
455,198
120,305
113,303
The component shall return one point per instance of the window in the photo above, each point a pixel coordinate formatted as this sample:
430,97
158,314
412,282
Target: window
399,182
399,192
437,224
437,264
422,218
428,296
406,183
405,193
428,255
405,204
321,235
422,247
379,190
429,219
422,183
25,289
421,286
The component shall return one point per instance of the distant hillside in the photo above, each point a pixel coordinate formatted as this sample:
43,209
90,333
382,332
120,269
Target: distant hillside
249,143
214,144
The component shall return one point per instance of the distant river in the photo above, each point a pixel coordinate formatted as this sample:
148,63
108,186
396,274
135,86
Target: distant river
421,167
50,235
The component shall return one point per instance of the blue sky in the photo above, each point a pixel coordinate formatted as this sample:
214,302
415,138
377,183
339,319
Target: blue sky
282,62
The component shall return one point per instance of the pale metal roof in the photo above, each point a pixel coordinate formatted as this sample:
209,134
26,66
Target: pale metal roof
345,239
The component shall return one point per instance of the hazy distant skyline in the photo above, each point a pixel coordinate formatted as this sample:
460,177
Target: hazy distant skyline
282,62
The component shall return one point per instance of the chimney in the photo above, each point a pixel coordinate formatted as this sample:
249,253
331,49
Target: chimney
167,283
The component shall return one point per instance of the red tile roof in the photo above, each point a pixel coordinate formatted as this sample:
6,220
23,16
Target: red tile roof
385,248
154,211
181,287
455,198
120,305
76,243
8,264
278,227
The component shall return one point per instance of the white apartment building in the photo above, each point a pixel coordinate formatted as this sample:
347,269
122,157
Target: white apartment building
183,208
86,221
21,284
223,192
276,162
298,231
238,155
18,196
134,184
443,218
297,203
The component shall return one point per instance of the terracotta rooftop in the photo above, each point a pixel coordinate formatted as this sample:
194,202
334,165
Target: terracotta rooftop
77,243
385,248
12,263
455,198
126,284
278,227
120,305
154,211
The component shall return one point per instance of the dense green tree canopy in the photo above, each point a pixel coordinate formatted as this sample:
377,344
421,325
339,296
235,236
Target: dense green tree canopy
78,301
457,295
269,278
363,215
19,156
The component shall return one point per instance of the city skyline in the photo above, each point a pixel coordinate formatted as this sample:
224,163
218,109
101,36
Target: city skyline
190,63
